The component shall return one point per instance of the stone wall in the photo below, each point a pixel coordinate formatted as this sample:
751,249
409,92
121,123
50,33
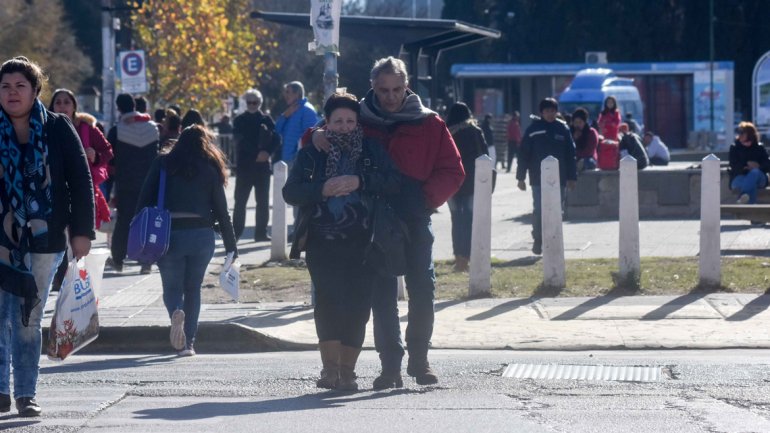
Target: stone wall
664,192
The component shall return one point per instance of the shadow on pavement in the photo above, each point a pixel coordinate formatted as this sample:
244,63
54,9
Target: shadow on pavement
594,303
751,253
520,262
270,319
325,400
678,303
501,309
112,364
17,424
756,306
441,305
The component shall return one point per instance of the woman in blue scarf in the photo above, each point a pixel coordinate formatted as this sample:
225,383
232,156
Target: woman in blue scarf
45,189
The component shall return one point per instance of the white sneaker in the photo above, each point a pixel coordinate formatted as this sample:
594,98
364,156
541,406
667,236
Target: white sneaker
189,351
177,337
743,199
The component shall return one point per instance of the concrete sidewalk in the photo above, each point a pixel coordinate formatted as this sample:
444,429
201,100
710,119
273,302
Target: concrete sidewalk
134,319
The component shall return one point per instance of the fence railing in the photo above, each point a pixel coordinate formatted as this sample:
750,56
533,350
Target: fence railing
227,146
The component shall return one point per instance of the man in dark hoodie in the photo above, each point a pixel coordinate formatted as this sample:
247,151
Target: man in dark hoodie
135,144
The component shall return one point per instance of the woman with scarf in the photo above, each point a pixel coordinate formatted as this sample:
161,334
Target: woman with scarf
335,191
470,141
46,190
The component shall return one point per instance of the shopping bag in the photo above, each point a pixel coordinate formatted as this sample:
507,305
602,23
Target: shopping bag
75,321
230,278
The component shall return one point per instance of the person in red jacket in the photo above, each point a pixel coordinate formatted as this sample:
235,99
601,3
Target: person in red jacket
586,139
420,145
609,119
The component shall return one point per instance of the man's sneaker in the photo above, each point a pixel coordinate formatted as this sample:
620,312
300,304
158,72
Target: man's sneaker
5,403
188,351
117,266
145,270
421,372
177,337
388,380
263,237
28,407
743,199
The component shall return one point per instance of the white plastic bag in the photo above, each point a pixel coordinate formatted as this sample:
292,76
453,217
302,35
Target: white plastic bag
230,278
75,321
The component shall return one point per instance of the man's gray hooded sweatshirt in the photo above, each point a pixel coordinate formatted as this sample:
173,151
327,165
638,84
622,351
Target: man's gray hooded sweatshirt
135,144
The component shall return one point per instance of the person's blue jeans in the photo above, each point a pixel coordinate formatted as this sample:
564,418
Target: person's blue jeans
420,285
21,345
461,211
182,270
749,183
537,219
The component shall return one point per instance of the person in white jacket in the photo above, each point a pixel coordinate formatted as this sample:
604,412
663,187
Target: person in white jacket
657,151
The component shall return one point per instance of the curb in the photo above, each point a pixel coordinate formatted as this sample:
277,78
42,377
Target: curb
221,338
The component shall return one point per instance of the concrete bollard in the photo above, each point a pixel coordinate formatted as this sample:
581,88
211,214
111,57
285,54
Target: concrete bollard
554,273
278,244
481,234
710,247
401,288
629,261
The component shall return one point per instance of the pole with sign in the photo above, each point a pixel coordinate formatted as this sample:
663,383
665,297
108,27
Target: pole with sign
133,77
325,21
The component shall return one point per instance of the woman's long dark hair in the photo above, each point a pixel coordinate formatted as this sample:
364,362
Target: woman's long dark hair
195,145
606,109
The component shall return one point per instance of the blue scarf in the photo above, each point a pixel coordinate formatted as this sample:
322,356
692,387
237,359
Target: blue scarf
25,198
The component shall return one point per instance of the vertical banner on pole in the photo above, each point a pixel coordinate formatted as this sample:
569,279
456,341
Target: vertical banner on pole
325,21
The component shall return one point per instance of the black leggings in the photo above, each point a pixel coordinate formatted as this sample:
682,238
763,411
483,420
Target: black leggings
343,287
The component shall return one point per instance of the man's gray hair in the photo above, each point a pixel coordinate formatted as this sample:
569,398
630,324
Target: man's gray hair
390,65
296,87
255,93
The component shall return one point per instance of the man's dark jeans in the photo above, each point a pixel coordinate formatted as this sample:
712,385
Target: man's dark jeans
257,178
420,285
127,200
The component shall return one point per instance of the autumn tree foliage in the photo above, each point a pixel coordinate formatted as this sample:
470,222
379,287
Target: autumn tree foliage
200,52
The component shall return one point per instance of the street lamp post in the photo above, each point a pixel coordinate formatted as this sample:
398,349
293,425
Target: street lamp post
711,74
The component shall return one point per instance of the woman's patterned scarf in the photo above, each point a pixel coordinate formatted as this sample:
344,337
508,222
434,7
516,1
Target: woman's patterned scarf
351,144
25,205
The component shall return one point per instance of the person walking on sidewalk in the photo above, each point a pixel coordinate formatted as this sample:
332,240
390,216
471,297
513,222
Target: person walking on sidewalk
335,192
513,134
255,140
470,141
295,120
422,148
47,189
135,144
546,136
196,175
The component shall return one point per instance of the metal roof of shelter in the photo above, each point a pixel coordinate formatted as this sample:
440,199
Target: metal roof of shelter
509,70
416,37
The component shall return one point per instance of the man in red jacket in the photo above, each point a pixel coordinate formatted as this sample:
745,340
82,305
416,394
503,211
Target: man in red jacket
423,149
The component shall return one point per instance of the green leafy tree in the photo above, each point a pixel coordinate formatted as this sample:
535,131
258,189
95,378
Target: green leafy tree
201,52
38,30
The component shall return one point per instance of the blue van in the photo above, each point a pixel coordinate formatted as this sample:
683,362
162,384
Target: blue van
590,87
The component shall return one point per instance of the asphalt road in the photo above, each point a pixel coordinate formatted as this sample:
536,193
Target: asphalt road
699,391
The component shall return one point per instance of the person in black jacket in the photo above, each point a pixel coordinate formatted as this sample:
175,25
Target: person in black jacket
135,144
47,189
196,175
749,164
335,191
631,144
471,143
546,136
255,140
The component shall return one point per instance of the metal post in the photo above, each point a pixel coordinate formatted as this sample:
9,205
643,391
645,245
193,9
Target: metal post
712,135
554,273
481,231
629,261
710,249
331,78
108,65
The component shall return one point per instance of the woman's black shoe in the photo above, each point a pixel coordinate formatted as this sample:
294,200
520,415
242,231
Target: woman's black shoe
28,407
